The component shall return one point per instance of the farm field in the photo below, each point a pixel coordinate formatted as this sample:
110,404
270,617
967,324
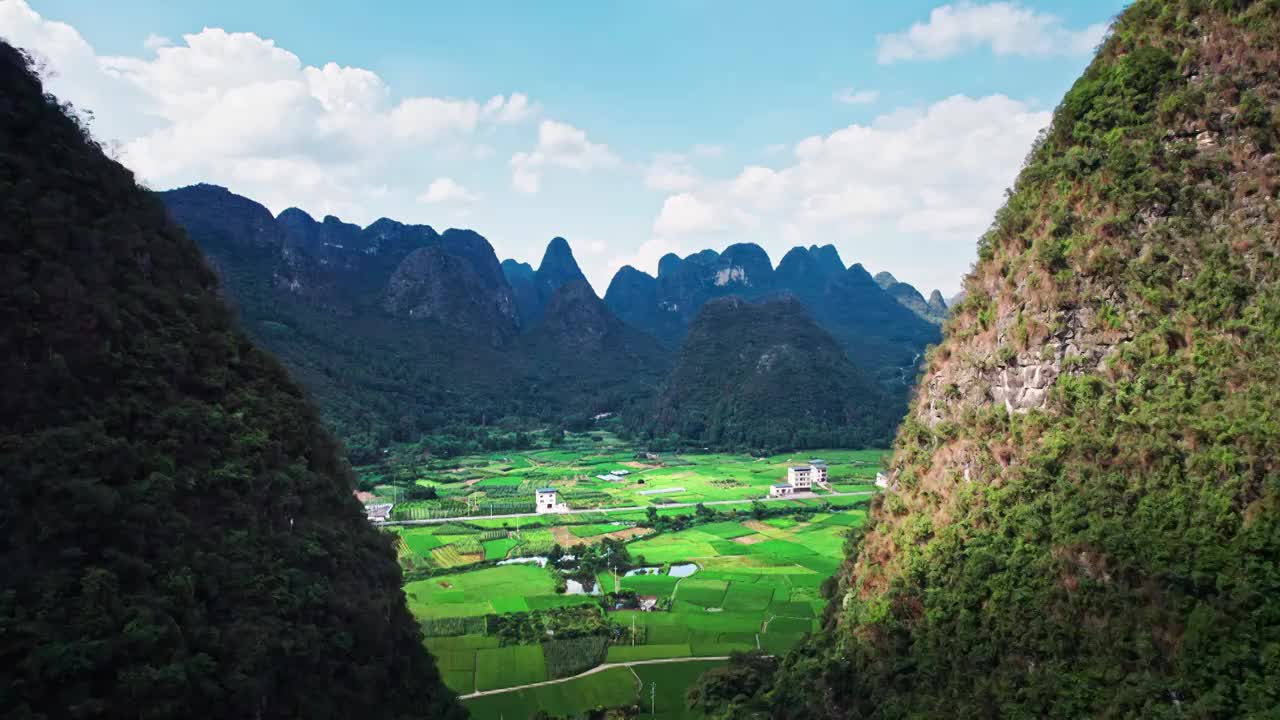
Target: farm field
754,584
597,470
746,576
609,688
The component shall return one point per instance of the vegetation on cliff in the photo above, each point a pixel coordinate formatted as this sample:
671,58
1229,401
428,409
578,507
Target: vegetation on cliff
1085,516
177,531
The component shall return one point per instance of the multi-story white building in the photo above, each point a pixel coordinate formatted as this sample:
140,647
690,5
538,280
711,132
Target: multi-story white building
818,468
547,500
800,477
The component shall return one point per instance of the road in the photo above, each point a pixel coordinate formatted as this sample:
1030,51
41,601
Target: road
592,671
630,508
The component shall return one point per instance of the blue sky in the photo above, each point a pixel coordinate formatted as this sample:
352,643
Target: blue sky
632,129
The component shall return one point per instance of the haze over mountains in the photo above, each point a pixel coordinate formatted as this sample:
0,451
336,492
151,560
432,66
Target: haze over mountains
402,331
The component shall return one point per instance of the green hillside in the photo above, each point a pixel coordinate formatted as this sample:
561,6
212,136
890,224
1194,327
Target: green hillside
764,376
177,532
1086,511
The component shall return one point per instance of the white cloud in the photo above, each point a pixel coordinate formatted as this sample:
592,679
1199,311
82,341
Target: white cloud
509,110
238,110
446,190
1007,27
646,256
155,42
934,175
559,145
687,213
849,96
670,172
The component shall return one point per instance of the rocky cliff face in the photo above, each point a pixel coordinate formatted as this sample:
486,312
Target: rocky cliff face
1084,513
433,284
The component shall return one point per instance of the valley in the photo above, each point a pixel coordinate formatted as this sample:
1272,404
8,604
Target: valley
565,611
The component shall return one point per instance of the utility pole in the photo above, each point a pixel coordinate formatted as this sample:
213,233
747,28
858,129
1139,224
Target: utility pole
653,699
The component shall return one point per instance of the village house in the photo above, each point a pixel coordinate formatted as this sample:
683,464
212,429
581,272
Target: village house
819,470
801,479
378,513
547,500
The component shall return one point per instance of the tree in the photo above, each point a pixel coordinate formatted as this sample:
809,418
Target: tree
735,691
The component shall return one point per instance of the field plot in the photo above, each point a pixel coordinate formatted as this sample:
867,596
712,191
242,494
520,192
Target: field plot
504,482
480,592
609,688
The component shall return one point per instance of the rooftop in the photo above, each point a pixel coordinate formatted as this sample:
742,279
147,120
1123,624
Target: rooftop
798,467
542,490
782,485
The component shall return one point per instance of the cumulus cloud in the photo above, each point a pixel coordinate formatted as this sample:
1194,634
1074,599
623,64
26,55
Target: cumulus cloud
849,96
154,41
508,110
235,108
559,145
670,172
446,190
1007,27
687,214
937,172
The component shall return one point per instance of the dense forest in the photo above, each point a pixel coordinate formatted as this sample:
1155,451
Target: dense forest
763,377
403,334
177,530
1085,509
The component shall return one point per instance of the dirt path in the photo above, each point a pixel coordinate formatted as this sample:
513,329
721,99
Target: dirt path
630,508
593,671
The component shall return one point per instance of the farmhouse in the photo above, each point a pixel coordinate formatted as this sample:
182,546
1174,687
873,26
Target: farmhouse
378,513
547,500
800,476
818,468
801,479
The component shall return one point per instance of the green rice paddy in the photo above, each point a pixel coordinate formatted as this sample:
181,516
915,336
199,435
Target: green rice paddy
756,584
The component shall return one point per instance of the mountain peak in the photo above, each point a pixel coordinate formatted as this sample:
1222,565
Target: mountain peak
558,266
885,280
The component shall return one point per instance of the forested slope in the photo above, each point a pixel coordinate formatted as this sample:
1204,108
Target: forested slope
178,536
1086,493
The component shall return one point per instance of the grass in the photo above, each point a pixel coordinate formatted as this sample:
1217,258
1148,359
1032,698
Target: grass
585,531
609,688
479,592
509,666
498,549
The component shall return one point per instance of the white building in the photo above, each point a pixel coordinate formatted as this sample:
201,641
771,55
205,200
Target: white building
800,477
818,468
547,500
781,490
378,513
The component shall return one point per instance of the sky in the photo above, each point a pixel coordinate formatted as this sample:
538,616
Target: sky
890,130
